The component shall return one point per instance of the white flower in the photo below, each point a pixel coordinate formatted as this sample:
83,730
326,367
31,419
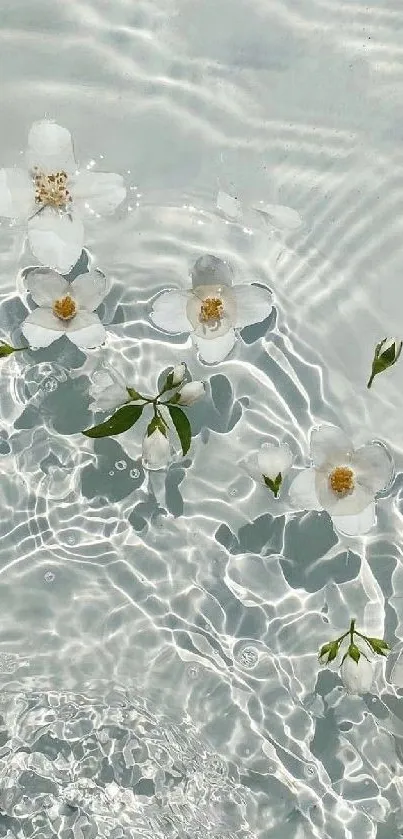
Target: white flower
108,391
191,393
65,308
51,195
178,374
156,450
211,311
274,460
343,480
357,677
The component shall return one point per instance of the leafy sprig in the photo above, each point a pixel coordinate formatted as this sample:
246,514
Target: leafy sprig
383,360
331,649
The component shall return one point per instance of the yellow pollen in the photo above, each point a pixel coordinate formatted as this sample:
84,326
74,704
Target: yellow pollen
51,190
65,308
211,309
342,480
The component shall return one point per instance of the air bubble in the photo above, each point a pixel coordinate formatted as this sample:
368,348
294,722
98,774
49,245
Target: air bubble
49,577
111,472
310,770
233,492
71,539
193,671
50,385
134,473
248,657
120,465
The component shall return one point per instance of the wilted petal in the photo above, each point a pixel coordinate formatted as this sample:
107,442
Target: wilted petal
169,312
45,286
303,491
101,192
86,330
213,351
254,304
50,148
42,327
17,197
330,445
356,525
56,239
89,289
373,466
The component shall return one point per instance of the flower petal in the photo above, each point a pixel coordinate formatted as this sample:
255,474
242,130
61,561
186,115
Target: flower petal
17,196
280,216
56,239
330,445
373,466
101,192
356,525
347,505
303,491
274,459
86,330
50,147
254,304
42,327
89,289
215,350
169,312
45,286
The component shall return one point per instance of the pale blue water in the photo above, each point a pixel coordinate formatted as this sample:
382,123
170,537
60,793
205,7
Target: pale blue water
159,632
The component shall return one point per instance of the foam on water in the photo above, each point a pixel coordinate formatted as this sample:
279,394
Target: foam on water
159,632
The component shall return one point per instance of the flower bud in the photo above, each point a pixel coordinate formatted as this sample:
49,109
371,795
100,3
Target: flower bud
156,450
191,393
357,676
178,374
387,352
108,392
274,460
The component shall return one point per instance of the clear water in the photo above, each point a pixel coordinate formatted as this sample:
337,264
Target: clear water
159,633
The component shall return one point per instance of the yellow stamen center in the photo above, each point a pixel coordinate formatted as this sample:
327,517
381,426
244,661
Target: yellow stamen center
211,309
65,308
51,190
342,480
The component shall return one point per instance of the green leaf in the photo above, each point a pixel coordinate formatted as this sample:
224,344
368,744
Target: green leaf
354,653
120,421
383,360
333,652
134,394
275,485
378,645
7,349
182,426
325,649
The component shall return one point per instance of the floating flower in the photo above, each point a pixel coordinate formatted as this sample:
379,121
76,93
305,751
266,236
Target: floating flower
51,195
65,309
343,480
108,392
212,311
356,669
273,463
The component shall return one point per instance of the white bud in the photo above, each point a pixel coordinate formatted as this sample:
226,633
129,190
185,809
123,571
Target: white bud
191,393
108,392
178,374
274,460
156,450
357,677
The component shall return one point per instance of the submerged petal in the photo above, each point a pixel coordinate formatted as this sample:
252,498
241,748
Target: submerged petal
303,491
215,350
89,289
373,466
356,525
331,445
45,286
254,304
50,148
17,196
42,327
86,330
101,192
56,238
169,312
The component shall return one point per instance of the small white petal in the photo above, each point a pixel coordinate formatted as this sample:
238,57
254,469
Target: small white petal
254,304
101,192
56,239
214,351
303,491
274,460
86,330
169,312
373,466
50,148
178,374
356,525
348,505
228,205
45,286
284,218
330,445
357,678
42,327
156,451
89,290
17,196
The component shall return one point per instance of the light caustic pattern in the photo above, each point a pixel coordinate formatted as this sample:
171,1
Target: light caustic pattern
158,638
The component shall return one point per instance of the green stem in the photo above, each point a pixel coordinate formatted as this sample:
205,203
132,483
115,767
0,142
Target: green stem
370,380
352,630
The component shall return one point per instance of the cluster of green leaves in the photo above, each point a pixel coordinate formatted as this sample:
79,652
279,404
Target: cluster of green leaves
330,651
